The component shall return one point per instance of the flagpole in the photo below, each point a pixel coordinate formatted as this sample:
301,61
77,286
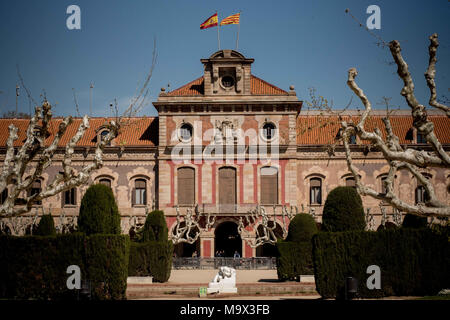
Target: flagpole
237,39
218,24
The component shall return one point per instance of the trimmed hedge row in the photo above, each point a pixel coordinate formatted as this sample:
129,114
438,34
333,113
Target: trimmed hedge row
151,258
34,267
294,259
413,262
107,258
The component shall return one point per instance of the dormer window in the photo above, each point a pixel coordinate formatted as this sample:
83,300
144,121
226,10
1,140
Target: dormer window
103,135
421,138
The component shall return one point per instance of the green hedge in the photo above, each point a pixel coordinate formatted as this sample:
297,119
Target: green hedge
34,267
412,262
155,227
152,258
294,259
98,211
46,226
343,211
302,228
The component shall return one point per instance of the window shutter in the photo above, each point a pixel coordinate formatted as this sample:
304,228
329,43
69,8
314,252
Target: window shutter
74,200
269,185
186,186
145,196
133,196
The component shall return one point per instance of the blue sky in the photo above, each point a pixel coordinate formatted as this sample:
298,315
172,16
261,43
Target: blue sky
303,43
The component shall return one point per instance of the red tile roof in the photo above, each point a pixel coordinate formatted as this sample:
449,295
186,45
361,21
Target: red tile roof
136,131
258,87
316,130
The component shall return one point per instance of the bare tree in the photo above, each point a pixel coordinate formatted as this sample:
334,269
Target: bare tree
189,226
399,157
24,165
258,221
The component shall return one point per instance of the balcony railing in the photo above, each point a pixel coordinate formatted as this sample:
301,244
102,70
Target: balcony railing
235,208
260,263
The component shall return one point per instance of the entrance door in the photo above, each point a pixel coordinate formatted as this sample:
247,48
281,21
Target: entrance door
227,189
228,239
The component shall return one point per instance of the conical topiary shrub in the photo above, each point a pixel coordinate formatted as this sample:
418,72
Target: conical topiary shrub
343,210
155,227
46,226
99,212
302,228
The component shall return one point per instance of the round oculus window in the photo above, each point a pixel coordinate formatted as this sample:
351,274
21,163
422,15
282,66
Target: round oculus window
185,132
269,130
227,81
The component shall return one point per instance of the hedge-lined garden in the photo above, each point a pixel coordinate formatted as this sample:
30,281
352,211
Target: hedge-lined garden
413,262
35,267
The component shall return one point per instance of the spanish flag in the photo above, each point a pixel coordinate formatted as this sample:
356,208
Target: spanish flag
234,19
210,22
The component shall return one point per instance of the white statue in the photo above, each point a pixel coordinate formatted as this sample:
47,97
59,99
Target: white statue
224,281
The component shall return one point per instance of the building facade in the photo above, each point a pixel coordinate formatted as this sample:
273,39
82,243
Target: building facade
225,143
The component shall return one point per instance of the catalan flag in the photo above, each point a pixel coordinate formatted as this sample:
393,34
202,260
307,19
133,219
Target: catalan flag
234,19
210,22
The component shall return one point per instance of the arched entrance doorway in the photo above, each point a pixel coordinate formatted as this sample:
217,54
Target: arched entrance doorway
228,239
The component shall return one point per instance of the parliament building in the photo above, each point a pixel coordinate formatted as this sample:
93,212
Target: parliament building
225,143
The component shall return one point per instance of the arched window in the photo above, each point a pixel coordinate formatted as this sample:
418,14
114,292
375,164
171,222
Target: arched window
3,195
350,182
36,188
315,191
105,181
69,197
139,195
269,185
186,186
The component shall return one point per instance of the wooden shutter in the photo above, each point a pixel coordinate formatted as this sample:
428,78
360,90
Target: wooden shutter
186,186
350,182
227,185
133,196
269,185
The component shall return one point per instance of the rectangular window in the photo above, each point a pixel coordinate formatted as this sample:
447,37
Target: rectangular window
70,197
315,191
140,192
35,189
